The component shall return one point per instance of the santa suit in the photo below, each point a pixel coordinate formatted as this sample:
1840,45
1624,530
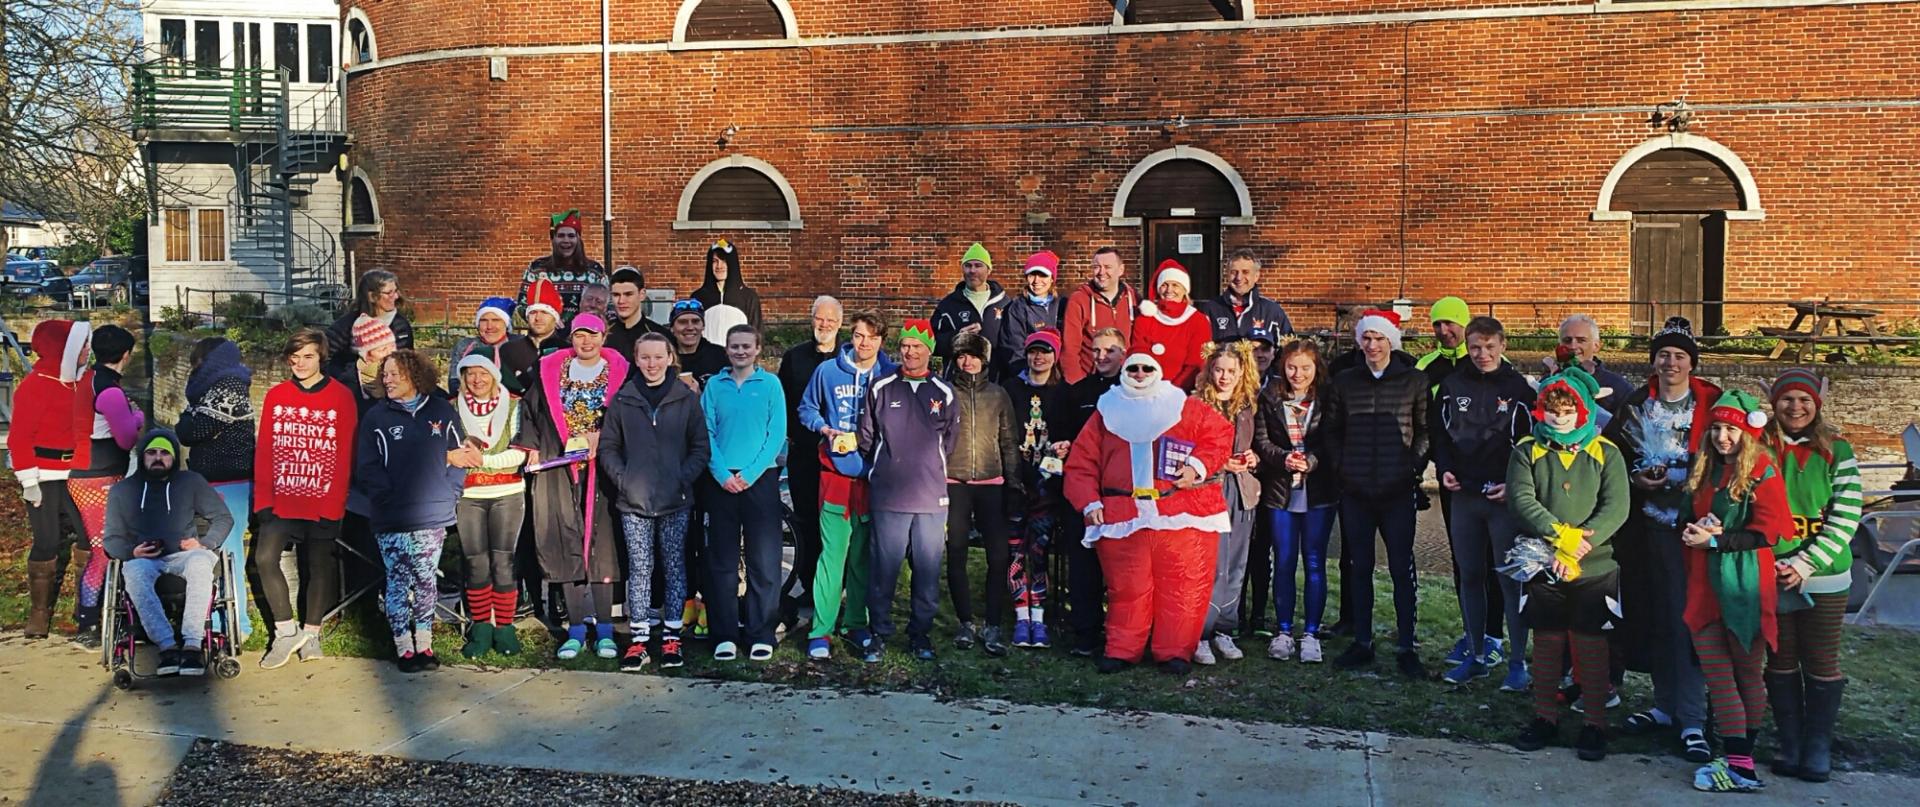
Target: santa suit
1157,545
1173,334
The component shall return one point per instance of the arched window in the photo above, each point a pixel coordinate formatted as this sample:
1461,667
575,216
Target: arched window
359,41
363,206
701,21
1148,12
738,193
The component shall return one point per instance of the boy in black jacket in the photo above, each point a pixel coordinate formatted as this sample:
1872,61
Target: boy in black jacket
1479,412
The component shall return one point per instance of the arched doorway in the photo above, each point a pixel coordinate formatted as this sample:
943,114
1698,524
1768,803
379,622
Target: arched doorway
1180,198
1678,192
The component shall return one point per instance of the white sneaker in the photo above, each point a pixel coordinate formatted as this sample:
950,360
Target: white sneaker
1310,649
1204,654
1281,648
1228,650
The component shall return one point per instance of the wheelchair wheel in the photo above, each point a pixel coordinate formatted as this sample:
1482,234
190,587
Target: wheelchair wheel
122,680
227,668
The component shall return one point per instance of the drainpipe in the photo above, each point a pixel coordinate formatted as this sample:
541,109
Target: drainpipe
606,138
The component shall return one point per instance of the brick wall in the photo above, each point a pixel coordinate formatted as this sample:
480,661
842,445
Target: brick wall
1466,154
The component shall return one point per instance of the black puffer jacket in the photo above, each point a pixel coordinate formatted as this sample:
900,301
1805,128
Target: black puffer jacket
1273,443
654,453
987,446
1380,425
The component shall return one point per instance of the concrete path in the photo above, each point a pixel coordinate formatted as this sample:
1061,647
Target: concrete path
74,739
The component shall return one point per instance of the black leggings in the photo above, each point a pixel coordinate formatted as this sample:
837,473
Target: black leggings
55,523
319,571
983,507
488,530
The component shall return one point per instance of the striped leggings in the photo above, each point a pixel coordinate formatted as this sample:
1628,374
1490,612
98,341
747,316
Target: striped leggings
1735,689
1590,670
1810,639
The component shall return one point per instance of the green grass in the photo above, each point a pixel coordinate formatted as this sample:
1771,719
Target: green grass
1880,723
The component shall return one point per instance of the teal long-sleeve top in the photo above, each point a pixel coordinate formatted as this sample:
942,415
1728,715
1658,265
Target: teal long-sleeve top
747,421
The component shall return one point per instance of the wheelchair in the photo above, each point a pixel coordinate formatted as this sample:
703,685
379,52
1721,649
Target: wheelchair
124,638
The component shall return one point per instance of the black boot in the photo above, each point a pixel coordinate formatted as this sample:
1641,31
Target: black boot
1816,746
1787,701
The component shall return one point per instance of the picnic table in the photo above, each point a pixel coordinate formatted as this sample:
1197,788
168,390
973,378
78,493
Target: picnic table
1851,327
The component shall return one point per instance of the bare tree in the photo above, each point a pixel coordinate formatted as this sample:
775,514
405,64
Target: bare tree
66,146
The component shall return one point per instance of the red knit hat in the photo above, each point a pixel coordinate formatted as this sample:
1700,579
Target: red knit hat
370,334
1797,379
1045,336
1044,262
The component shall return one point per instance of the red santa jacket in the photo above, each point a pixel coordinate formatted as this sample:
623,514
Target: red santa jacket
1101,465
1175,340
52,429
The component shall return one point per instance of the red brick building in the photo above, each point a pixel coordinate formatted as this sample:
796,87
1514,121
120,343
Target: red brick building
1368,149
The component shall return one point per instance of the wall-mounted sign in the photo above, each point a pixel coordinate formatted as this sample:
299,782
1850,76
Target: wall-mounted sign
1193,243
1183,212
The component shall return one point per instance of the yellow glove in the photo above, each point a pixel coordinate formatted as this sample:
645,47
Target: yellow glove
1566,541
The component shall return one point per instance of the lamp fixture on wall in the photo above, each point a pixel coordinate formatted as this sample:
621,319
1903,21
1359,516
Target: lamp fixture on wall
727,136
1675,116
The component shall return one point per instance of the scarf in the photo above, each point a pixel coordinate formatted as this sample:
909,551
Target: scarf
489,415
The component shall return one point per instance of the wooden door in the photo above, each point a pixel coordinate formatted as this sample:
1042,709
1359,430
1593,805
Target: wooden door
1194,242
1671,269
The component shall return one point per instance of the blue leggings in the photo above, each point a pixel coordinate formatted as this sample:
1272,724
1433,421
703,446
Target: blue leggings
1296,535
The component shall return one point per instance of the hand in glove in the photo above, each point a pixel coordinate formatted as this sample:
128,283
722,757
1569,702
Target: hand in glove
31,493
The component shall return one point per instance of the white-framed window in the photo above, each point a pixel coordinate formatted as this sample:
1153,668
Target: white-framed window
194,234
359,45
738,192
726,21
1155,12
200,47
363,205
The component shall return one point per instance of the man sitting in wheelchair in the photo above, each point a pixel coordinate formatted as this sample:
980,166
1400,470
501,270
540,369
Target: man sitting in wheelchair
151,520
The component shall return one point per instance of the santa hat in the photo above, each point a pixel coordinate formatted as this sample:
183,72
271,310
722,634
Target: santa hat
1168,270
1798,379
485,357
542,295
1740,409
1386,323
570,218
1043,262
1136,386
370,334
501,307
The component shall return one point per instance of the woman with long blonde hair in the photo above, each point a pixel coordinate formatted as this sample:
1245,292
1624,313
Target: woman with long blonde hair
1229,383
1740,512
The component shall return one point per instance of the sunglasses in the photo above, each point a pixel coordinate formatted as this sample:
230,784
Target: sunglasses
1142,368
688,305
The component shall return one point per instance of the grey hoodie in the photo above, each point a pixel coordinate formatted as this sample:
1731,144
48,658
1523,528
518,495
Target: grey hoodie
142,508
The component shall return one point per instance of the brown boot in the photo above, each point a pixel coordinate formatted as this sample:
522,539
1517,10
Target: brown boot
43,584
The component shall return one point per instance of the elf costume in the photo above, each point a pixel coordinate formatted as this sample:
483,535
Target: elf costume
1158,544
569,275
1731,594
1803,673
492,505
1173,333
1565,481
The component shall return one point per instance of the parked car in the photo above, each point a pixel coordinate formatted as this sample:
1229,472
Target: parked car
26,278
30,253
110,281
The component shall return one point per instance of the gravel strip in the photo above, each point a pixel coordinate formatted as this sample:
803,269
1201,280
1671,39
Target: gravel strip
216,773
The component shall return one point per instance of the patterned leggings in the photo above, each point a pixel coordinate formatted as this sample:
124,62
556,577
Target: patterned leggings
1735,689
1027,571
90,498
1810,639
667,536
411,559
1589,671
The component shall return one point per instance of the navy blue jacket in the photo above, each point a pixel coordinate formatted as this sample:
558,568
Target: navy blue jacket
1019,320
907,431
1260,313
1477,417
400,462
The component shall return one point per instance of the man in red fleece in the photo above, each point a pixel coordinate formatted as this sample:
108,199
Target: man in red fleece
52,435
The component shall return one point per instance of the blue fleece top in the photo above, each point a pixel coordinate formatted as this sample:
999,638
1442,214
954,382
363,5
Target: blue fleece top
834,398
746,421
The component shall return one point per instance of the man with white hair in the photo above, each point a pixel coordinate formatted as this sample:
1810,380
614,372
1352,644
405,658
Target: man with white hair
803,451
1141,473
1580,341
